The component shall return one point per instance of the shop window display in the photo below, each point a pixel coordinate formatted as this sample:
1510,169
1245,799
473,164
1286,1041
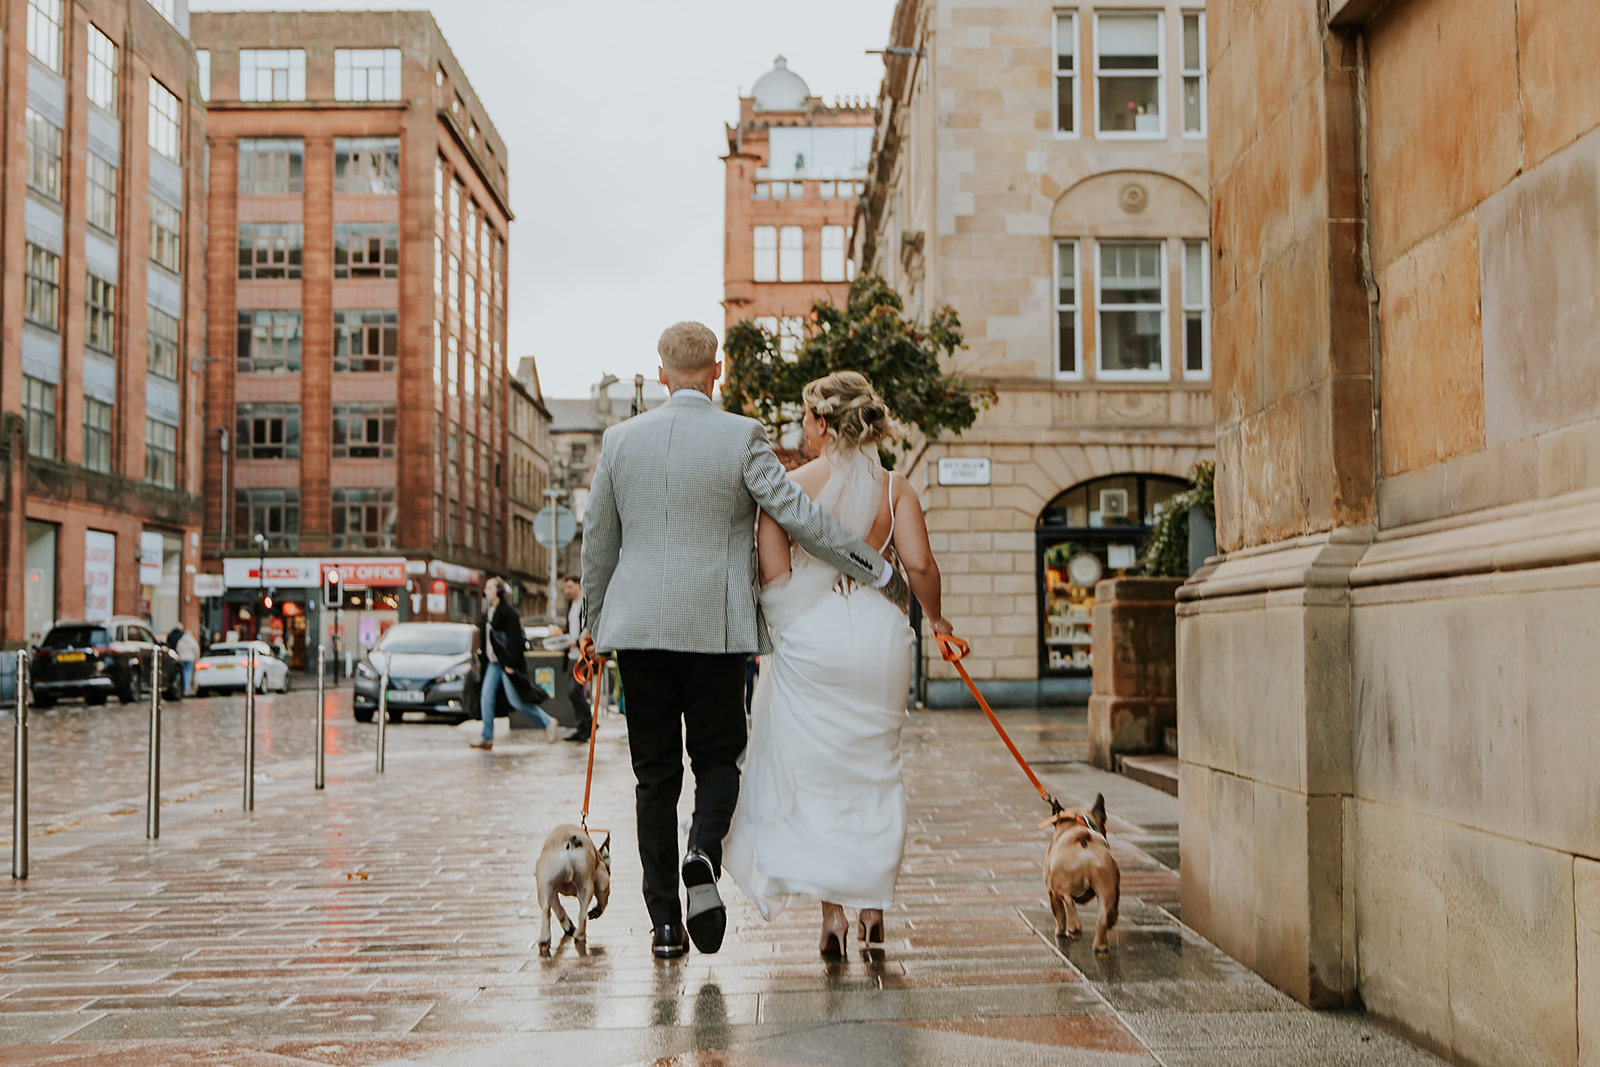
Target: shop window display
1092,531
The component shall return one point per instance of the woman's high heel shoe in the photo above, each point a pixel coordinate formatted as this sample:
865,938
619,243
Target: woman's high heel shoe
835,929
870,927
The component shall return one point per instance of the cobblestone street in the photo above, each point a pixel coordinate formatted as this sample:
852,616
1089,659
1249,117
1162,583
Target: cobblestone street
392,918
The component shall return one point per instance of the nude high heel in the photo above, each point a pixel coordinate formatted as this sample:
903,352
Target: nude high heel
835,929
870,926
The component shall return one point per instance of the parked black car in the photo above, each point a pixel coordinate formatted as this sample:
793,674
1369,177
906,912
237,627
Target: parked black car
433,667
97,659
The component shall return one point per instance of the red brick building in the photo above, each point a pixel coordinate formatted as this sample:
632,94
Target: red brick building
102,311
357,376
795,167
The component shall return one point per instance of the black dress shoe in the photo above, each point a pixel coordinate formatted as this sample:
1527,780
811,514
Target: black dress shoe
707,917
577,735
668,942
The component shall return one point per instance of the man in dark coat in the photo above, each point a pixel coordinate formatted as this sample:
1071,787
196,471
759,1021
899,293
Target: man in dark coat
504,648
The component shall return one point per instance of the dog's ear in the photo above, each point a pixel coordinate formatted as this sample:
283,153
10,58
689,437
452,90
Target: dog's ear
605,852
1099,812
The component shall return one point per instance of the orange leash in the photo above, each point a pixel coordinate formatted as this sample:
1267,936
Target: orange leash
954,650
587,669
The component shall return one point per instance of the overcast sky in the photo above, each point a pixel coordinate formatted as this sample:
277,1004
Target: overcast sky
612,114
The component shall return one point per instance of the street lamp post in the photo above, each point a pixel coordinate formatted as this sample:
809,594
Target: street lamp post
261,579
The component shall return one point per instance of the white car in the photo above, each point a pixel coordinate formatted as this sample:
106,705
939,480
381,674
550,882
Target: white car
225,666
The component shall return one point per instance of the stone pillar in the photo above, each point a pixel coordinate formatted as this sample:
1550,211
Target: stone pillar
1135,667
1263,635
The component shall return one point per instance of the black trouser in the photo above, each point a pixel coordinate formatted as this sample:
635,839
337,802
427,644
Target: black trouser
678,700
580,703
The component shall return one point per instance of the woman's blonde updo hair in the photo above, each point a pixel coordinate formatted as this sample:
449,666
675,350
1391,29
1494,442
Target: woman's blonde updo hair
853,410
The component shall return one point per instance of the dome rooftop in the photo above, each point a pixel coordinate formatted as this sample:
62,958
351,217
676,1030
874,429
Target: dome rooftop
780,89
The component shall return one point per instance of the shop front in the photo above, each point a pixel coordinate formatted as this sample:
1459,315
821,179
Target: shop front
1094,530
279,601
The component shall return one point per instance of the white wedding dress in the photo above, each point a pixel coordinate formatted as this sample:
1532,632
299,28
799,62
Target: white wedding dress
822,810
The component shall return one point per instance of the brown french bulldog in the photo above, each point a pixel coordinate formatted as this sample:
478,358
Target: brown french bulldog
571,865
1078,868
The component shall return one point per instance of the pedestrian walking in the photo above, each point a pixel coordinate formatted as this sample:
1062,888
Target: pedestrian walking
188,649
572,586
172,637
505,649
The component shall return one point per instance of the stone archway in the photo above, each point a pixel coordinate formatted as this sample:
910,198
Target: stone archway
1131,203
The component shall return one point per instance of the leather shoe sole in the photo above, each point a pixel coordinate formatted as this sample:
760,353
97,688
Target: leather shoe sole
706,916
668,943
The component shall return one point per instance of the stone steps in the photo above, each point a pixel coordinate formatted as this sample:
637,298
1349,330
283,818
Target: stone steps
1158,772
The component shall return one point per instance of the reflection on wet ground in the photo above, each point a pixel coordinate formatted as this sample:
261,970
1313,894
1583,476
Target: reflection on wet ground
393,918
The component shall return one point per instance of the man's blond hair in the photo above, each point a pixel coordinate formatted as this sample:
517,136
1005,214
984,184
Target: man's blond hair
687,347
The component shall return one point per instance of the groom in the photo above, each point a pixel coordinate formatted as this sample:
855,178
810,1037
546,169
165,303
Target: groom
670,584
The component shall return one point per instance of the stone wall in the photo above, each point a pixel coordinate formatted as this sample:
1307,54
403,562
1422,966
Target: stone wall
1386,684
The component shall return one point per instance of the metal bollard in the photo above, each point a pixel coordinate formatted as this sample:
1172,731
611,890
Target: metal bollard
383,711
152,819
321,734
250,731
19,777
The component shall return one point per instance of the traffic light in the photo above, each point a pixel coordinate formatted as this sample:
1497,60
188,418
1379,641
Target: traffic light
332,591
267,603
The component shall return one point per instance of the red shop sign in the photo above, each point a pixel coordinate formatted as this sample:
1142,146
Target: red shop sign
358,575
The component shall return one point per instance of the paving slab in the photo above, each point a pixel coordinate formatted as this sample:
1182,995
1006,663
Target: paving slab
392,919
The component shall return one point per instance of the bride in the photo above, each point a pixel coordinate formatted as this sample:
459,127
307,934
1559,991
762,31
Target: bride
823,810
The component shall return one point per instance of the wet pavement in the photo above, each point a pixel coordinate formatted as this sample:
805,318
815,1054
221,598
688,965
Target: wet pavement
393,918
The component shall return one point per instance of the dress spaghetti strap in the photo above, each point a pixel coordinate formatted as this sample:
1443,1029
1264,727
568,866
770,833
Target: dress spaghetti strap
890,539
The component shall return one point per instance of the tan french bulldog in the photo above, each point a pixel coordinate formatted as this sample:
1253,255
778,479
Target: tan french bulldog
1078,868
571,865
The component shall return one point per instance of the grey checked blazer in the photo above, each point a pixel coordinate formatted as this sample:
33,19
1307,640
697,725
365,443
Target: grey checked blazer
669,549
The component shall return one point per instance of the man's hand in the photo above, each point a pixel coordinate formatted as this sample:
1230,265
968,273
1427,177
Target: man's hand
586,648
896,589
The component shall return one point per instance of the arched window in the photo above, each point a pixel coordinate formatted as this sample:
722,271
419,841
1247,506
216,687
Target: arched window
1094,530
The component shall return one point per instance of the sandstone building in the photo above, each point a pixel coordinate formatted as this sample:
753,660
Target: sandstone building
528,476
1042,169
104,305
1387,681
357,375
794,170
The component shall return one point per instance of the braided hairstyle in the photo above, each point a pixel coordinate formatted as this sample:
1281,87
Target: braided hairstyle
852,409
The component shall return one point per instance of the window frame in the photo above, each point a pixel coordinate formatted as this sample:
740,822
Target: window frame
345,445
345,66
795,256
43,139
344,500
249,504
100,198
44,32
40,420
97,435
757,266
165,133
292,152
1076,76
100,314
253,417
161,344
1076,308
41,284
379,156
345,236
250,266
166,243
1159,74
1160,373
1198,74
294,73
843,251
160,454
1203,307
101,83
387,329
284,326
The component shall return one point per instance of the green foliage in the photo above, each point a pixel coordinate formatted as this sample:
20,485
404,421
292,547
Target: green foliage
1167,553
870,335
